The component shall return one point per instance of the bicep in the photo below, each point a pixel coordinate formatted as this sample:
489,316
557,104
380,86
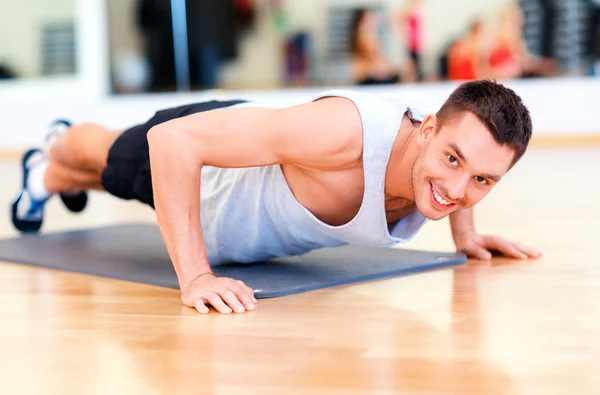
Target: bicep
325,133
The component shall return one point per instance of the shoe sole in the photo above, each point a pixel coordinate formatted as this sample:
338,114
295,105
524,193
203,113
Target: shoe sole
24,226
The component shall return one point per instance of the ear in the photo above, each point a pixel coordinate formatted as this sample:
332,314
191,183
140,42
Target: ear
427,130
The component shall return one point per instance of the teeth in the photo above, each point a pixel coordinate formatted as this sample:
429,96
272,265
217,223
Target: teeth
439,198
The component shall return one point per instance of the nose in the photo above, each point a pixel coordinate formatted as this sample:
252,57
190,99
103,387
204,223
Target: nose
457,188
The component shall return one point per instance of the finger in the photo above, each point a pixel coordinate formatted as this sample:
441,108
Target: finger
200,306
531,252
231,299
242,295
216,302
504,246
248,290
475,251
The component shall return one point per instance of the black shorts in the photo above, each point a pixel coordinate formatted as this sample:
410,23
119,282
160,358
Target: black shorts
127,172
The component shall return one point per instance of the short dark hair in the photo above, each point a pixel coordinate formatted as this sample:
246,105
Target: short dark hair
499,108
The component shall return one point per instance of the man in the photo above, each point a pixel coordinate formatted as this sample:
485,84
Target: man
232,181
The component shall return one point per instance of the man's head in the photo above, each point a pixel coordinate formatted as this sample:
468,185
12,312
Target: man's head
479,133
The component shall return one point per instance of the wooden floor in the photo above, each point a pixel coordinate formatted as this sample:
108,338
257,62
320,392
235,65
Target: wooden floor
511,327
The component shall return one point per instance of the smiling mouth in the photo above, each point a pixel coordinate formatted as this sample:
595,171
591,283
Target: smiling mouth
438,199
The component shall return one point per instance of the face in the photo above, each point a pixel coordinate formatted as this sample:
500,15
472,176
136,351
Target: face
457,166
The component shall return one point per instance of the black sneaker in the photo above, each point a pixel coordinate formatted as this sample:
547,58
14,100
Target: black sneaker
27,213
74,202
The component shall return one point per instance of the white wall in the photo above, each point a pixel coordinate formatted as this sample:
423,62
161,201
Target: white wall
21,24
561,107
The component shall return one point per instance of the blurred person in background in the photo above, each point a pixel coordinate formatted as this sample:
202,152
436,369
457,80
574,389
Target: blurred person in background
410,20
510,57
500,53
154,22
468,56
370,64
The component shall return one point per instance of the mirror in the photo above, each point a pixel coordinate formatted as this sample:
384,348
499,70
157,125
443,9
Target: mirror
37,39
180,45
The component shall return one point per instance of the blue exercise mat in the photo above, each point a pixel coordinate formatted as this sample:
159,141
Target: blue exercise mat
137,253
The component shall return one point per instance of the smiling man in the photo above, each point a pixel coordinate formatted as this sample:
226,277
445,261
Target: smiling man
236,181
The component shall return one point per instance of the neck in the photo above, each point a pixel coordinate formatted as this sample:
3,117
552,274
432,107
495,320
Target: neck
398,182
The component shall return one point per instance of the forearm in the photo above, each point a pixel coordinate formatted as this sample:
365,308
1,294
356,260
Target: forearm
462,222
176,188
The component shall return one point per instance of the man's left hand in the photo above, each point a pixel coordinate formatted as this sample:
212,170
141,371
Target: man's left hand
479,246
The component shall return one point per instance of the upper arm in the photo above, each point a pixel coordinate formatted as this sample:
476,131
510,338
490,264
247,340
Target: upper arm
326,133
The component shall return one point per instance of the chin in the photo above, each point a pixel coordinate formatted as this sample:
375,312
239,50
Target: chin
431,214
430,207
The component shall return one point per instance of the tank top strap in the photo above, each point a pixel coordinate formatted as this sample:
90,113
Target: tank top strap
381,119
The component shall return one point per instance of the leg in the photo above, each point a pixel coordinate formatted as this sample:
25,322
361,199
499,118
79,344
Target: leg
83,148
77,157
59,178
89,156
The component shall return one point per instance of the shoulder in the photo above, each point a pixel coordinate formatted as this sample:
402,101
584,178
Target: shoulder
365,105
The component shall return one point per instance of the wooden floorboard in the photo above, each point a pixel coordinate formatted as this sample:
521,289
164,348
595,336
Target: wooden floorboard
509,327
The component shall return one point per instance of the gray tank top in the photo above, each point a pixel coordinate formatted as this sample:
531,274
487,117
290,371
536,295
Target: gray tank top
250,214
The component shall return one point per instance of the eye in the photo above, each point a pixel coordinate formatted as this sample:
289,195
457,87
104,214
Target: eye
481,180
452,160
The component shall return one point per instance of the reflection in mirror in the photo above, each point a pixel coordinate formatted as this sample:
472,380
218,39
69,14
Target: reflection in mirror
272,44
37,38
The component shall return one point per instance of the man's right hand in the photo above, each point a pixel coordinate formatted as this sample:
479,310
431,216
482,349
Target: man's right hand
224,294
